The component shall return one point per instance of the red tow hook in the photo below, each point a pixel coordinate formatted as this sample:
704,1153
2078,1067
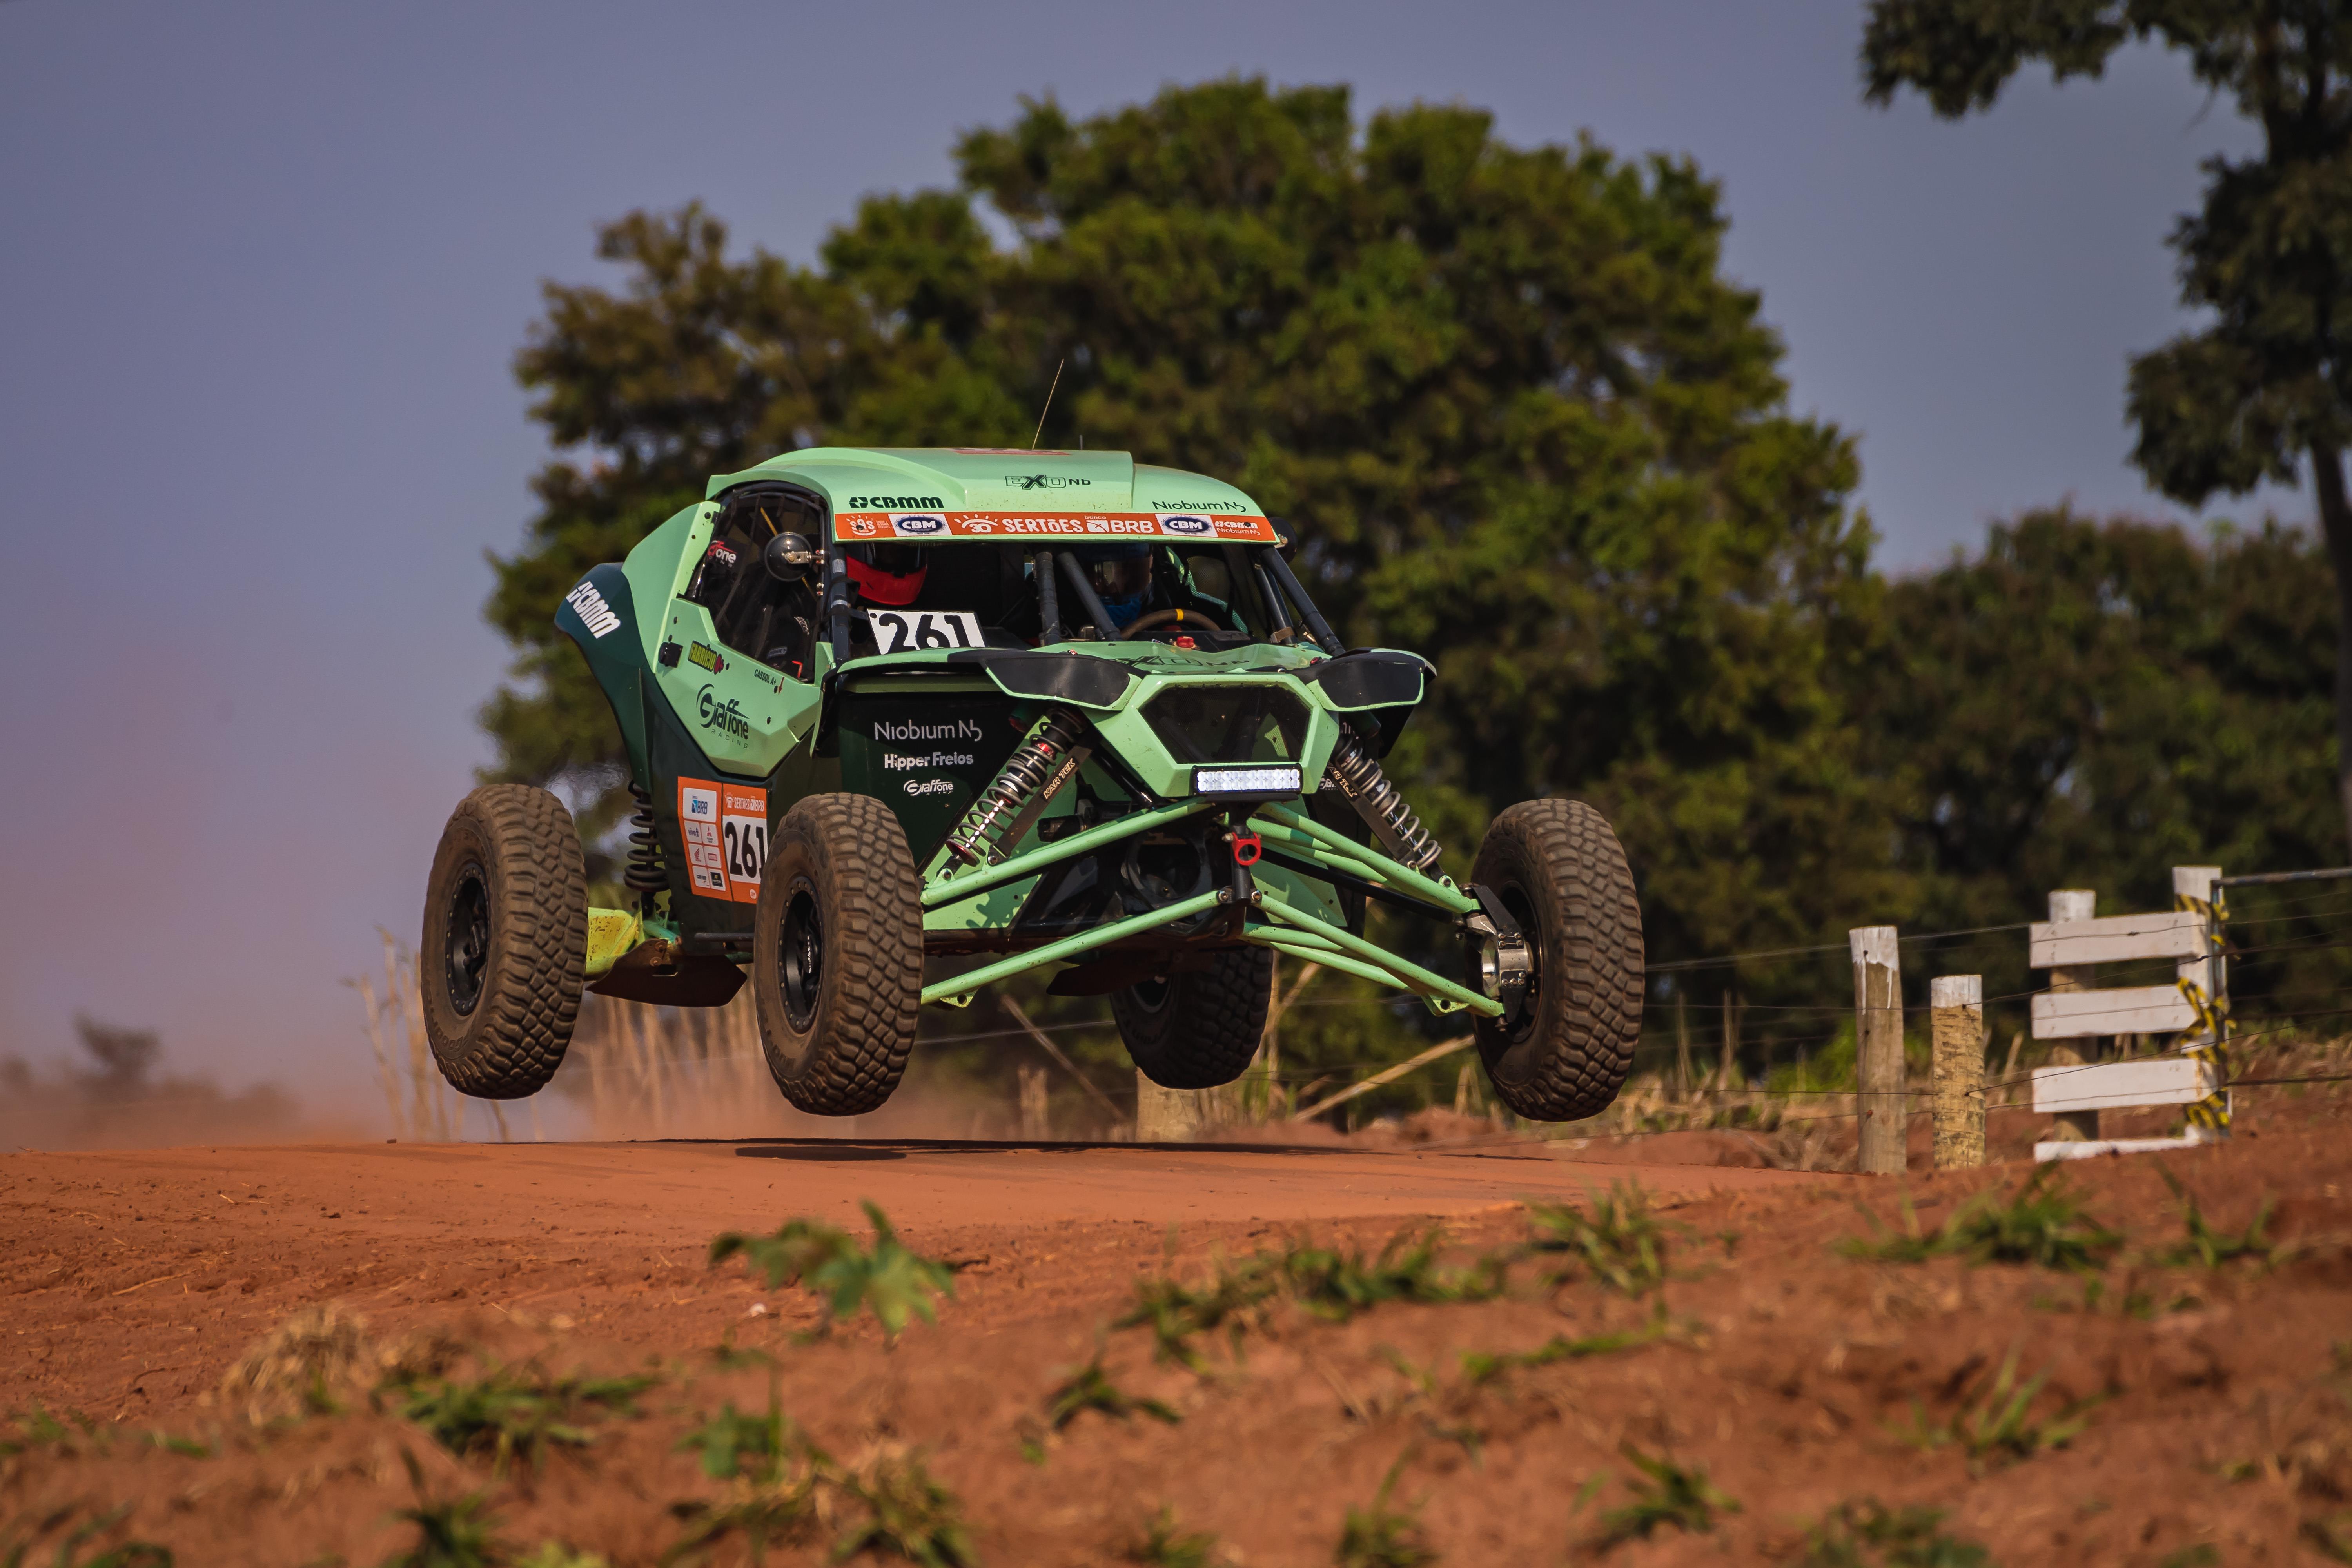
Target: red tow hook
1247,848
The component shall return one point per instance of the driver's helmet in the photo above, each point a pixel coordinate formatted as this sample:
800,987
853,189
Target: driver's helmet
888,573
1122,575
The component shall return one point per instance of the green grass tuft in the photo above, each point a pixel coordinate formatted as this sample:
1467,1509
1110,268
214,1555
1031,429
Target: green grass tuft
909,1515
1619,1243
2202,1247
2043,1226
455,1533
1163,1545
1329,1283
512,1411
1863,1532
1486,1366
1996,1419
1674,1496
895,1284
15,1549
1381,1536
1090,1388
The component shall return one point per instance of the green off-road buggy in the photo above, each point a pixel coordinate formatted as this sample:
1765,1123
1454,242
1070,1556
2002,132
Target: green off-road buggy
1035,708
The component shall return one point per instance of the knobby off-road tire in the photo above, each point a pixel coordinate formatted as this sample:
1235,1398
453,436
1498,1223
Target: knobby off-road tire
506,934
1198,1028
1560,870
837,954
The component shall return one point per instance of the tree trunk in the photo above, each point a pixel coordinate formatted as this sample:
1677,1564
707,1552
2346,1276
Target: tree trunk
2336,523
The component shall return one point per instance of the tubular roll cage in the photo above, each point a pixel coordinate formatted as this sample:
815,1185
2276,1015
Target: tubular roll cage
1303,843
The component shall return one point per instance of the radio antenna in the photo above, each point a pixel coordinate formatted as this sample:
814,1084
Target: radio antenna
1049,403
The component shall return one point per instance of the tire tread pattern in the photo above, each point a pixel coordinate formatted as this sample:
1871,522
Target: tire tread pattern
513,1041
1209,1030
1588,1016
870,984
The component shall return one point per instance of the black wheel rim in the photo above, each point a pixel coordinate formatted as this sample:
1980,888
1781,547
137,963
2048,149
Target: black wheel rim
466,944
800,963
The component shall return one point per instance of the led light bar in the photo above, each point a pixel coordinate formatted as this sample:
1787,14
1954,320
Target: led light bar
1260,780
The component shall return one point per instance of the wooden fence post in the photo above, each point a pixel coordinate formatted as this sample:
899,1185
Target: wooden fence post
2066,906
1166,1115
1035,1126
2209,973
1956,1026
1878,1048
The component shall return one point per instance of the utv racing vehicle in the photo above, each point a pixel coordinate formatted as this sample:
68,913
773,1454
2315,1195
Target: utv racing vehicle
1034,708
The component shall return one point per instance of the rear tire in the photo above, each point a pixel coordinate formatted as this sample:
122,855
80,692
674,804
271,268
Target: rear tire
837,954
1558,869
506,935
1198,1028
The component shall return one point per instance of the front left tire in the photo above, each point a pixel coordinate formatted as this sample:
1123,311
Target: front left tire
837,954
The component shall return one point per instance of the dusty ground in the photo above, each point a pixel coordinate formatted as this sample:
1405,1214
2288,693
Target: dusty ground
2217,1404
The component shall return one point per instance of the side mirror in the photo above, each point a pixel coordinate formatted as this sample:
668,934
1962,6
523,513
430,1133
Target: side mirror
789,557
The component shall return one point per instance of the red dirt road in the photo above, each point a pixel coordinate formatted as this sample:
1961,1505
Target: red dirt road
115,1252
2174,1413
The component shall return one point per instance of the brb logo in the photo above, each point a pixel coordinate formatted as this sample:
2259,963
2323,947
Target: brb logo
727,717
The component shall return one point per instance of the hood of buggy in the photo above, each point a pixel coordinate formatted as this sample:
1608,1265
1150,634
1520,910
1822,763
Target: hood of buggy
1253,722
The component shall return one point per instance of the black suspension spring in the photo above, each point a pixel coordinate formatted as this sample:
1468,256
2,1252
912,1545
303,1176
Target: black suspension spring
644,873
1038,764
1377,801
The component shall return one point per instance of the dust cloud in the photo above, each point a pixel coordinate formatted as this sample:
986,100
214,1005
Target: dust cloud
116,1097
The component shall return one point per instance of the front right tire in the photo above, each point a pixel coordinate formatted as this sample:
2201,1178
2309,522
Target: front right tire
837,954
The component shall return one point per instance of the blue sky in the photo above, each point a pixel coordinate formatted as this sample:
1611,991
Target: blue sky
263,268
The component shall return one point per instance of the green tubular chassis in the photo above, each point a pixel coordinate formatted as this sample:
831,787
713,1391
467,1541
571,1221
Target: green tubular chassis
834,788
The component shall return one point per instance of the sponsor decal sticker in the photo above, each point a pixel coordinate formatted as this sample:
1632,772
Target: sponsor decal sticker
1175,524
920,787
904,631
893,763
698,825
904,731
894,504
728,718
591,607
725,826
1198,506
1043,481
708,657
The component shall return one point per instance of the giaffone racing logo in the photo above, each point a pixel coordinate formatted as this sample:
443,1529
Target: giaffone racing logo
727,717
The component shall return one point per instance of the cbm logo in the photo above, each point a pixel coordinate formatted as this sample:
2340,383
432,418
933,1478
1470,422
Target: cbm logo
1188,525
920,527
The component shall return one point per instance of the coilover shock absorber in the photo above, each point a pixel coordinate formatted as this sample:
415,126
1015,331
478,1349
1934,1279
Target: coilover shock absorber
1377,802
1037,768
644,874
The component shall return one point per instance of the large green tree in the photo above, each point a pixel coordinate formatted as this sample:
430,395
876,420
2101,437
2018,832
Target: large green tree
2088,703
2265,390
1515,413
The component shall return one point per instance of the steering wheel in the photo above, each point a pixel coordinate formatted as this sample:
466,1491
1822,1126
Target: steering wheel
1158,618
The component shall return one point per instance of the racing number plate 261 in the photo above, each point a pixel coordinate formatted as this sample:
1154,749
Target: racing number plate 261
725,826
905,631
